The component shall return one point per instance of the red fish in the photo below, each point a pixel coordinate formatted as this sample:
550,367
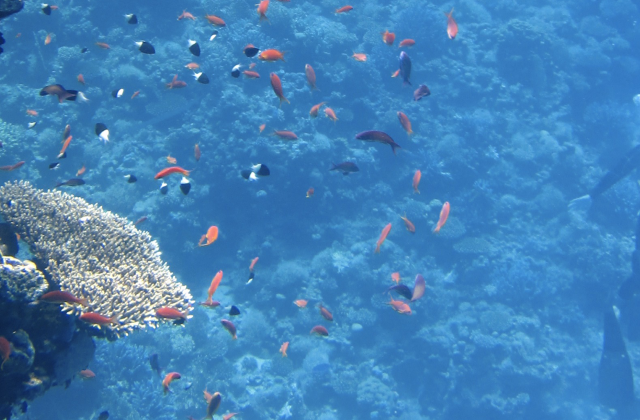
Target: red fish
378,137
407,223
300,303
230,415
59,296
32,112
325,312
215,20
283,348
418,288
5,350
196,152
314,109
276,84
175,83
136,93
416,181
253,264
186,15
103,45
47,40
81,78
285,135
214,285
228,325
319,330
311,76
211,305
172,376
452,26
388,37
64,147
444,214
310,192
13,167
344,9
87,374
81,171
171,313
171,170
97,319
193,66
250,74
331,114
407,43
404,121
140,220
262,127
422,92
59,91
271,55
395,73
262,9
210,236
359,57
395,277
400,307
383,236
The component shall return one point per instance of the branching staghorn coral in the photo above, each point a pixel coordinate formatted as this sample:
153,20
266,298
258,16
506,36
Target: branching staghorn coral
94,254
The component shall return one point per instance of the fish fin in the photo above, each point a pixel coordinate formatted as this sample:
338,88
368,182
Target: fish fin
581,203
83,302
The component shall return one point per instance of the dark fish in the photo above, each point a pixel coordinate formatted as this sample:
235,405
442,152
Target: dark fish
405,67
2,41
201,78
117,93
46,9
401,289
194,48
32,124
250,50
54,165
73,182
615,384
631,286
251,275
345,167
248,175
213,35
235,72
421,92
213,404
131,178
84,50
73,93
59,91
140,220
145,48
379,137
164,188
228,325
185,186
104,415
8,240
188,385
155,364
234,311
261,170
131,19
102,132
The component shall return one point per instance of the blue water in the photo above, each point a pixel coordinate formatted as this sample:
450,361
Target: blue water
530,106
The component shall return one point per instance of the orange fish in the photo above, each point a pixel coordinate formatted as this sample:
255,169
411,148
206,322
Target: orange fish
186,15
32,112
228,325
66,132
210,236
47,40
249,74
310,192
300,303
97,319
171,160
416,181
262,127
262,10
395,73
228,416
395,277
407,43
64,147
171,170
444,214
87,374
314,109
19,34
283,348
359,57
9,168
452,26
400,307
276,84
5,350
271,55
285,135
253,263
383,236
252,65
175,83
330,113
103,45
325,312
214,286
81,171
193,66
344,9
81,78
404,121
215,20
311,76
168,379
319,330
171,313
407,223
136,93
197,153
388,37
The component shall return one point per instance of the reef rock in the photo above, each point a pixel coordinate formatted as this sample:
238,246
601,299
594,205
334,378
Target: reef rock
9,7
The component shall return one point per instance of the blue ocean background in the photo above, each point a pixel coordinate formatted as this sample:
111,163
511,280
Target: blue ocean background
530,106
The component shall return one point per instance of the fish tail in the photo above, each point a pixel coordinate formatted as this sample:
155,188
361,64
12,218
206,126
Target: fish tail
114,319
83,302
333,167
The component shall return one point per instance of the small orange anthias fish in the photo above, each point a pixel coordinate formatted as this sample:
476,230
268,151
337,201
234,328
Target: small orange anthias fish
331,114
87,374
97,319
172,376
271,55
228,325
253,264
64,147
314,109
325,312
383,236
388,37
186,15
276,84
81,171
209,237
197,154
171,160
416,181
171,313
103,45
5,350
32,112
47,40
283,348
67,132
311,76
171,170
407,223
400,307
285,134
140,220
136,93
359,57
193,66
9,168
81,78
395,73
395,277
228,416
444,214
310,192
319,330
59,296
262,127
215,20
407,43
404,122
300,303
262,10
344,9
175,83
452,26
249,74
214,286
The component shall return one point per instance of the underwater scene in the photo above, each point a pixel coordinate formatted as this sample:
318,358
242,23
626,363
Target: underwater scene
319,210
